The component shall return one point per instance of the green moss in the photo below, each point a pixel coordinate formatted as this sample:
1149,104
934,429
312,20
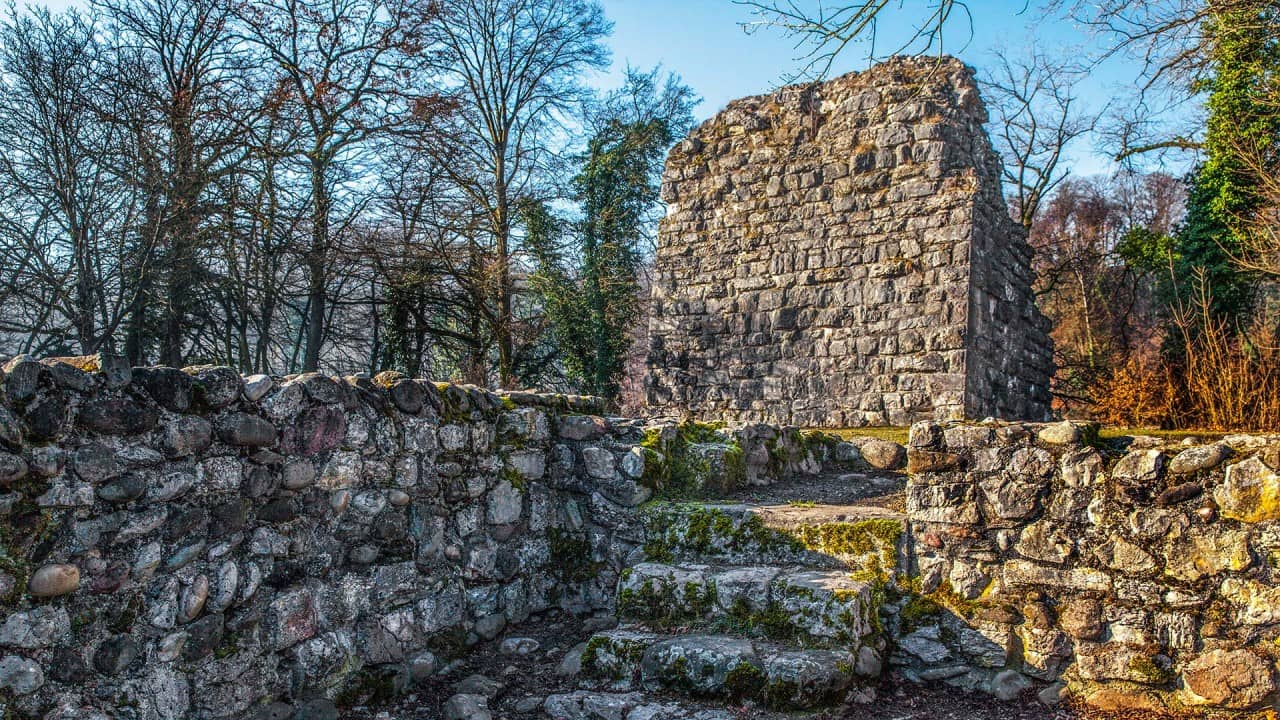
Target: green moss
780,695
1149,671
659,605
735,468
698,534
702,531
571,556
591,655
857,538
744,681
1119,433
892,434
678,673
610,658
675,468
230,643
657,550
772,622
918,611
517,480
692,431
27,527
946,596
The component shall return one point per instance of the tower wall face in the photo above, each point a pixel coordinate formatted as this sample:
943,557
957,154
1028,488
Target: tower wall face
840,255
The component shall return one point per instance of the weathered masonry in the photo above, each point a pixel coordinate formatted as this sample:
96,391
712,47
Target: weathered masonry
841,255
193,545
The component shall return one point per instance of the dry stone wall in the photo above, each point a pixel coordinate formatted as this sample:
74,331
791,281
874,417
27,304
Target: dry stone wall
840,255
197,544
1141,578
194,544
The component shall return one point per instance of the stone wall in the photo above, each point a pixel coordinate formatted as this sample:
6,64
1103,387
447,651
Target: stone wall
198,544
1141,574
840,255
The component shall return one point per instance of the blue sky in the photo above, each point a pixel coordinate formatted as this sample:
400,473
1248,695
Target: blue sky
703,41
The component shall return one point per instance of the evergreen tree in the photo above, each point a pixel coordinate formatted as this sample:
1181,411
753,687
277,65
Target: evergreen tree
1224,196
587,271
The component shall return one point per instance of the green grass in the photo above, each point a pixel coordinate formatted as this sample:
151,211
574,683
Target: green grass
899,434
895,434
1112,433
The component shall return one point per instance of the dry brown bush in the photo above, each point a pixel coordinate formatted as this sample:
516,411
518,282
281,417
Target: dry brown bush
1228,380
1134,394
1221,377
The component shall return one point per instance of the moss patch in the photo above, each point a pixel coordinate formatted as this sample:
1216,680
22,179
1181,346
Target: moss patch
866,537
773,622
1151,673
571,556
660,604
682,465
918,612
744,681
701,531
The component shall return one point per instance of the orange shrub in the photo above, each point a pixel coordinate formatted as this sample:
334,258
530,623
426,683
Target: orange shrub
1134,394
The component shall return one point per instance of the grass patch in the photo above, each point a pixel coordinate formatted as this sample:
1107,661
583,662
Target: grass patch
1115,433
893,434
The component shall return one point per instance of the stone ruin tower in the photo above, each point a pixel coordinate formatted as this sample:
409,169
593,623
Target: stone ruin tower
841,255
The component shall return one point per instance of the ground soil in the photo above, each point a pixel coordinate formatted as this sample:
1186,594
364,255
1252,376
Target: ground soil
897,699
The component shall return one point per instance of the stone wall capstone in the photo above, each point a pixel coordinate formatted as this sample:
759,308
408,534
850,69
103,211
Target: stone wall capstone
840,255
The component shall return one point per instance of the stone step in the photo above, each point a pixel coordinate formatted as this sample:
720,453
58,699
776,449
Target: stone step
593,705
805,606
862,538
725,667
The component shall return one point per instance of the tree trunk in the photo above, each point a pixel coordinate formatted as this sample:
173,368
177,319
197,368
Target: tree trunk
181,232
317,257
503,328
85,327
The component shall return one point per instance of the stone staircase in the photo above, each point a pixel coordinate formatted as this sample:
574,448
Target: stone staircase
775,606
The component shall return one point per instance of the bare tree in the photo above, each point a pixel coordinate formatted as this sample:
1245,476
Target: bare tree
262,214
824,32
346,66
513,68
1174,41
1100,249
59,248
429,261
1036,116
185,77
